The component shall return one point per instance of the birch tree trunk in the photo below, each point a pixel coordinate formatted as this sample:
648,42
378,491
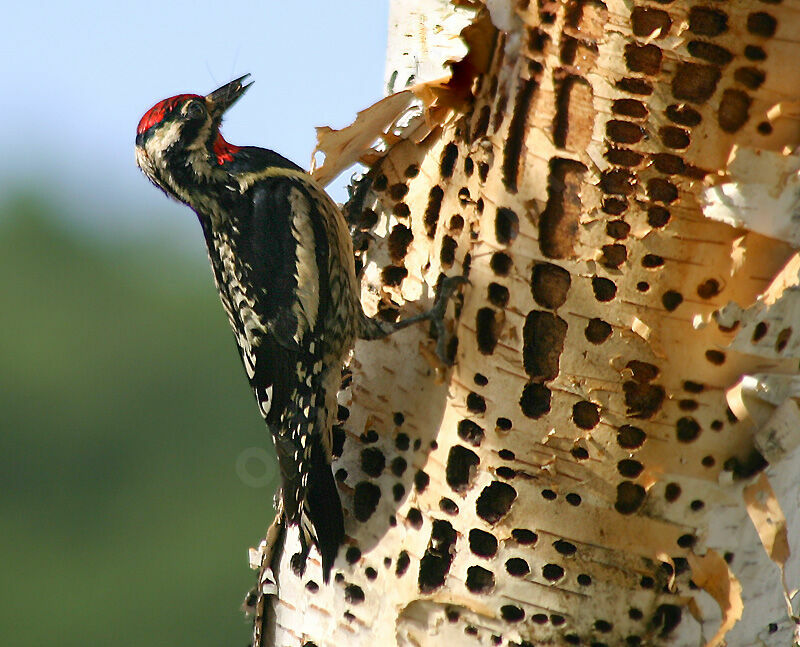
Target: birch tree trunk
613,458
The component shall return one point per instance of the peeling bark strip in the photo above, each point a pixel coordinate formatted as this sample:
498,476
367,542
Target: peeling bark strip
623,392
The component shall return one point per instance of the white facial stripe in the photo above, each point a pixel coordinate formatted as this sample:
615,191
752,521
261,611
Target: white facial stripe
246,180
165,135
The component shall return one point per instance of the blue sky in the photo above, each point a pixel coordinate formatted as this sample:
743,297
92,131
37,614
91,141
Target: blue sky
78,76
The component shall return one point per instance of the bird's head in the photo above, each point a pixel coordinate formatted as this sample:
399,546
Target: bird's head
180,135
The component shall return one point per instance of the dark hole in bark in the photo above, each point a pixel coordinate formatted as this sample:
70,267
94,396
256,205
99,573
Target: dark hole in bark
550,285
470,432
517,567
535,400
479,579
482,543
448,161
372,461
543,342
435,563
460,469
630,497
597,331
365,500
495,501
630,437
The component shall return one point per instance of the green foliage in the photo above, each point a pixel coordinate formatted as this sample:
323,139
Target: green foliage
123,410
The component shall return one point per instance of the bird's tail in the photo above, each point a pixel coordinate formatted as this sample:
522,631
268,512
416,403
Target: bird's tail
321,520
309,495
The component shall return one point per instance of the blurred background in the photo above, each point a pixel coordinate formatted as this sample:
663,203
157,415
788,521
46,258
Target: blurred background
135,471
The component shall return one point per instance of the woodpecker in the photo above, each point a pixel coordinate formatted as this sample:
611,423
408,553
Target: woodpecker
283,263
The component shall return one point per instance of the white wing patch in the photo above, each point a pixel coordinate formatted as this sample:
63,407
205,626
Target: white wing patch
306,274
264,397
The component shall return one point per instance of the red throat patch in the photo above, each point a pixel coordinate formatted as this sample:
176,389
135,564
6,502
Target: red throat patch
157,113
223,150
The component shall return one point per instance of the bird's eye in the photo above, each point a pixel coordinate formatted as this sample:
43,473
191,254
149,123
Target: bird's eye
195,110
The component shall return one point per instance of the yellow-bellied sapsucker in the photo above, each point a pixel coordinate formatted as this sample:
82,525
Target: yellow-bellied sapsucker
283,264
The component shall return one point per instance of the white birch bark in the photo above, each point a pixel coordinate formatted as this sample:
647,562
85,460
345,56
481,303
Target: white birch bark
613,460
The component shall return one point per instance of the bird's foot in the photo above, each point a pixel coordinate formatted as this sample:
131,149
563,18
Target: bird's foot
374,328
